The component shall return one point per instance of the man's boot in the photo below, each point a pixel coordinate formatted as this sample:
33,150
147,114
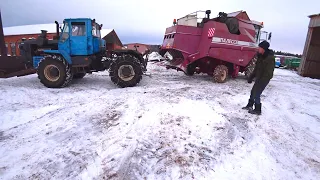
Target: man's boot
256,110
249,105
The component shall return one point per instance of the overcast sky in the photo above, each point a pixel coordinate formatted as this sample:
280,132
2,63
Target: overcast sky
146,20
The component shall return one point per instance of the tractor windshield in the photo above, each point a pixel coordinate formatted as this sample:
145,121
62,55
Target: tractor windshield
65,32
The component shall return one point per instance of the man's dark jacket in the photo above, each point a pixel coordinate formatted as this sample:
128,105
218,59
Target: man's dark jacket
264,68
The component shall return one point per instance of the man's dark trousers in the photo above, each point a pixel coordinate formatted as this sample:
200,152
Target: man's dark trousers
257,90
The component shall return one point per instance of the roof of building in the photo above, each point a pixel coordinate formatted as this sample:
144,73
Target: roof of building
313,15
111,37
105,32
29,29
36,29
135,44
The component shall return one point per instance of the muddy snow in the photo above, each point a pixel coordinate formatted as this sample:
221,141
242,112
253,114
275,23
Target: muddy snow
170,126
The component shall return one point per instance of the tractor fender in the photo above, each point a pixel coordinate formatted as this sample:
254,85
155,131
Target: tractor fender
134,53
64,54
129,51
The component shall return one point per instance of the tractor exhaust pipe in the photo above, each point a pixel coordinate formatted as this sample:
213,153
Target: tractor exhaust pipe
57,28
3,48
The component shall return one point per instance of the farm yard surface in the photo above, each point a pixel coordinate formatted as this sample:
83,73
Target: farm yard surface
170,126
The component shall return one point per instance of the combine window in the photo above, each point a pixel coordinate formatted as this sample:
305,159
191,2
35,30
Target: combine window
78,28
257,29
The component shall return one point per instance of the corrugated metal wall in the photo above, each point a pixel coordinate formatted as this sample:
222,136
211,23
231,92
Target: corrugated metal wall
310,63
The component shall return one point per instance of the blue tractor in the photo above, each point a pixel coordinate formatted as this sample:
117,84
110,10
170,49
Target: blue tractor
77,50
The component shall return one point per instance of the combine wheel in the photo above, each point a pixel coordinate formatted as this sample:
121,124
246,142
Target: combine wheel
79,75
54,73
249,69
190,71
220,74
125,71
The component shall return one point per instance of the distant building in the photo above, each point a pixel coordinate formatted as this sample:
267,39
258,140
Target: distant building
310,62
13,36
111,38
137,46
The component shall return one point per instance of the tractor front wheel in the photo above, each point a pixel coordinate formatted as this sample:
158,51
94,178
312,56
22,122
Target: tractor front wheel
220,74
54,73
125,71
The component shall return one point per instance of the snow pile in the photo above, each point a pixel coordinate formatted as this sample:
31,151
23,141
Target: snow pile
170,126
155,56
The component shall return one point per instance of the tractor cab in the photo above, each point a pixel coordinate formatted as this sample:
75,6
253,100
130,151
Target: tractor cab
80,37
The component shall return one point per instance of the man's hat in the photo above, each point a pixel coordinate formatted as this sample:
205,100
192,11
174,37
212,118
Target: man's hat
264,45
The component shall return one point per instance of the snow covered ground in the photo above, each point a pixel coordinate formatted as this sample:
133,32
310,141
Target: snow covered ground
171,126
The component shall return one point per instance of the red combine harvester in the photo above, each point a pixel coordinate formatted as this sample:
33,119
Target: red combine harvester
219,47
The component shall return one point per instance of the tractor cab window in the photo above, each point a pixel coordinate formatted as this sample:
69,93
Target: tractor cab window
78,28
65,32
95,30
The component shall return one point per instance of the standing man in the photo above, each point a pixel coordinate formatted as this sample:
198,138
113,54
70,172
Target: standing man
263,72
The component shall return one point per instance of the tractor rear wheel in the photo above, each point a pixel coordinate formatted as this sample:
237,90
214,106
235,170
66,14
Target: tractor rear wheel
79,75
126,71
220,74
54,73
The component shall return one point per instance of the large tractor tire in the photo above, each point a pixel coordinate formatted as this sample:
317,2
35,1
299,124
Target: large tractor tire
53,72
125,71
249,69
220,74
79,75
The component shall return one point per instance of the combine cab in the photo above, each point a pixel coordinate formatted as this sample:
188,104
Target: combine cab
220,46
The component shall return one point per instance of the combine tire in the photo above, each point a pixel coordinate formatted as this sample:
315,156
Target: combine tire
53,72
190,71
125,71
79,75
220,74
249,69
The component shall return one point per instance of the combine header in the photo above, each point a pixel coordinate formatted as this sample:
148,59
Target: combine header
220,46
